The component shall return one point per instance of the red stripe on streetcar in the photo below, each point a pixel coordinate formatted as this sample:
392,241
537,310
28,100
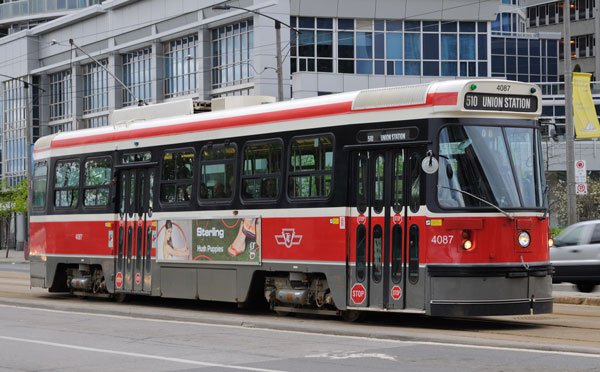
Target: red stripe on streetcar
433,99
442,99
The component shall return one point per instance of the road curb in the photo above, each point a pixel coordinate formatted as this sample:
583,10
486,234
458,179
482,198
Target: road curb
576,300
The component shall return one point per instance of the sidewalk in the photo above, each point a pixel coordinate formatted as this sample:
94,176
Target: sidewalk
13,256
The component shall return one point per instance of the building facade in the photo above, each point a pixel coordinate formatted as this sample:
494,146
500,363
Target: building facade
127,52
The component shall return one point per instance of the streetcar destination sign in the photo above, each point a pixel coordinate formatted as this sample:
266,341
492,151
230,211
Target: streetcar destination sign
387,135
500,102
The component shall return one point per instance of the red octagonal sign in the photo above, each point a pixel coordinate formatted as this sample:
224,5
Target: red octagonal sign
358,293
396,292
119,280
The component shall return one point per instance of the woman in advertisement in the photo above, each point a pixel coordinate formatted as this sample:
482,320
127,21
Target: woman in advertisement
170,251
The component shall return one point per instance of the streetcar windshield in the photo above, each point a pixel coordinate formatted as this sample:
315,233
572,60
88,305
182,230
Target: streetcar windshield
496,164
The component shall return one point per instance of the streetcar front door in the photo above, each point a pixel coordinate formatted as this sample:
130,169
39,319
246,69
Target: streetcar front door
134,246
383,268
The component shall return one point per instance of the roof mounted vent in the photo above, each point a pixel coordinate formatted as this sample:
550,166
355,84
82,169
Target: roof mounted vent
154,111
226,103
391,97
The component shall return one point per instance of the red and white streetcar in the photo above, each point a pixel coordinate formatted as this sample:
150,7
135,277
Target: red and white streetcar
424,198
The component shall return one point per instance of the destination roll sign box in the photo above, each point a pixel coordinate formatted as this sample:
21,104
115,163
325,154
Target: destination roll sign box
500,102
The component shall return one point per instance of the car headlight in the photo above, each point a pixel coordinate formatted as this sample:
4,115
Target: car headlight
524,239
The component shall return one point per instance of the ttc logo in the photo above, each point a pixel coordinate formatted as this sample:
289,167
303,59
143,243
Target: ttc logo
288,238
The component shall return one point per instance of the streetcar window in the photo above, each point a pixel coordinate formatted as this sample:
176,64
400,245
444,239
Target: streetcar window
377,253
413,254
138,157
482,165
311,167
261,177
40,180
217,172
177,175
378,190
66,184
397,253
398,182
415,185
361,253
362,168
96,186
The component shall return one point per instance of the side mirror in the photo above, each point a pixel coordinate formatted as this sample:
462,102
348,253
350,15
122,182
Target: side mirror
430,165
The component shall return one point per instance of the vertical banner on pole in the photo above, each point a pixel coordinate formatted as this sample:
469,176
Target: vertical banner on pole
584,112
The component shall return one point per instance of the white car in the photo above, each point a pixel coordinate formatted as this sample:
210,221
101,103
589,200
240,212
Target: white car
576,255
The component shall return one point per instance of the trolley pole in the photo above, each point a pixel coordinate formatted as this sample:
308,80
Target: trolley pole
569,126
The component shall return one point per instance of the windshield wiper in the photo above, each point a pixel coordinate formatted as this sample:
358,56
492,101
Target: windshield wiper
510,216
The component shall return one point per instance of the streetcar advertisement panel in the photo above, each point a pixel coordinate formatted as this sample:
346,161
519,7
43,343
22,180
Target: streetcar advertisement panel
222,240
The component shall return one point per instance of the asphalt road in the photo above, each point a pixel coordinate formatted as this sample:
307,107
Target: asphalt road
42,339
44,331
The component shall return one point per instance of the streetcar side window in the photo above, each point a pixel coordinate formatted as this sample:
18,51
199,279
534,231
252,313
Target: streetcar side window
261,176
96,184
217,172
177,176
66,184
311,167
40,181
415,185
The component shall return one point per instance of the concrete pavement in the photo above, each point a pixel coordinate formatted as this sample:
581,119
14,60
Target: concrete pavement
564,293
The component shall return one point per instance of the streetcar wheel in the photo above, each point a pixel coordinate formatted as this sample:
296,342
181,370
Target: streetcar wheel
120,297
585,287
352,315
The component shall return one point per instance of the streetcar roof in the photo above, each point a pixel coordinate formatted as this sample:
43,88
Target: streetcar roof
436,99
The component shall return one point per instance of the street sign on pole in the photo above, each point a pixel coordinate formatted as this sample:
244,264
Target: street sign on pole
581,188
580,171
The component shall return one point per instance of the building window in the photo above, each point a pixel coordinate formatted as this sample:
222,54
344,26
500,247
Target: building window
177,175
180,66
95,88
525,59
60,95
232,47
63,127
311,167
14,131
97,178
261,178
95,121
66,184
217,172
137,76
389,47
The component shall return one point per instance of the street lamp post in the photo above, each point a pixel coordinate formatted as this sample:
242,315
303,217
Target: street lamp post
278,57
569,128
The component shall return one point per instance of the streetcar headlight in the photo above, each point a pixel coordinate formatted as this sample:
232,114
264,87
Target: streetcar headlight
550,242
467,244
524,239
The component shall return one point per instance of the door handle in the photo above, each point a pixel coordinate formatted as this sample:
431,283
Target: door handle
575,250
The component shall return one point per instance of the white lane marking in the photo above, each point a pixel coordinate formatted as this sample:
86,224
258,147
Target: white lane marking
138,355
250,326
351,355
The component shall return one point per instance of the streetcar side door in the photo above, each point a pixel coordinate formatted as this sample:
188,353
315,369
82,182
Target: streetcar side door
383,255
134,245
372,247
